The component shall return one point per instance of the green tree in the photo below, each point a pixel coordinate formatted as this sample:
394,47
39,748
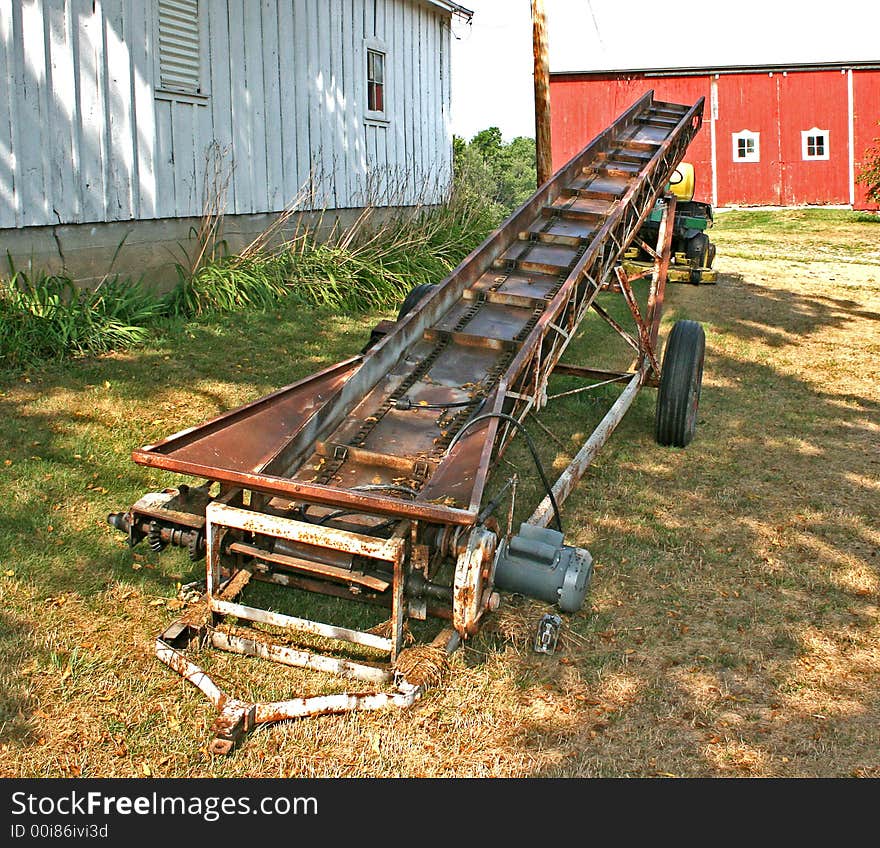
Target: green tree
869,176
502,173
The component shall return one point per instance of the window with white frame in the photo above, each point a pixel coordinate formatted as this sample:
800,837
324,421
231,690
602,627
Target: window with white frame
814,143
179,51
376,91
746,146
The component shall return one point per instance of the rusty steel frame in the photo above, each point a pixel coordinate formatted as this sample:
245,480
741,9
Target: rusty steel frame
648,366
523,380
237,718
298,421
221,518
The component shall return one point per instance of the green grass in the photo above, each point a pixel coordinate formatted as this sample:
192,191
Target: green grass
798,235
790,220
46,317
735,595
369,266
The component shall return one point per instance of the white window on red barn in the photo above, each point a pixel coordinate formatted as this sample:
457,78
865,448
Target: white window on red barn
746,146
376,82
814,143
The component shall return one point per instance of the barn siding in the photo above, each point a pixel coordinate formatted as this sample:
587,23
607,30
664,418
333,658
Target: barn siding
778,105
85,137
748,102
866,129
580,111
817,99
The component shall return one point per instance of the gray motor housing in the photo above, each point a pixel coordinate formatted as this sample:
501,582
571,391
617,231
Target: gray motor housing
537,564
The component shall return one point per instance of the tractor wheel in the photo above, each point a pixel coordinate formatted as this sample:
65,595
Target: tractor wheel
698,249
680,382
409,302
711,257
414,296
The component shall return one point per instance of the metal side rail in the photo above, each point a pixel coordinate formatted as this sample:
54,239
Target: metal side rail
366,482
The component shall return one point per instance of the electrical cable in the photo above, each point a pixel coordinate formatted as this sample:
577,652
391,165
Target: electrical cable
406,403
391,487
509,418
371,531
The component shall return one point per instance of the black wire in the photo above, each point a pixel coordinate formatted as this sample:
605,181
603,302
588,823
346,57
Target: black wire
338,514
381,487
405,404
504,417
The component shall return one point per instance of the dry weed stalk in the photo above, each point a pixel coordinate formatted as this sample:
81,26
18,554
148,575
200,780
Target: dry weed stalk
208,237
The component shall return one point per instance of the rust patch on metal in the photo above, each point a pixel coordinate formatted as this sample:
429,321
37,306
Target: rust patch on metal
377,435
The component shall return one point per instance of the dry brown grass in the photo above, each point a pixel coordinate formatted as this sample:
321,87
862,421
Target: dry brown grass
733,627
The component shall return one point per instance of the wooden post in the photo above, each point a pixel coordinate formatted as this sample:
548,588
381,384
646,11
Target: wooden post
542,94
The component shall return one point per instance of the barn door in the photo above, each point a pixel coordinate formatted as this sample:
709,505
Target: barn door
749,166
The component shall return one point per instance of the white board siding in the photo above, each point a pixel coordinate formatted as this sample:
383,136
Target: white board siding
85,138
91,119
272,82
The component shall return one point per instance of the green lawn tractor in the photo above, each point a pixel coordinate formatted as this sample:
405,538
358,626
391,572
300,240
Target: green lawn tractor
692,252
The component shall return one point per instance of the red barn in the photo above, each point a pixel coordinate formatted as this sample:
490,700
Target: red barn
773,135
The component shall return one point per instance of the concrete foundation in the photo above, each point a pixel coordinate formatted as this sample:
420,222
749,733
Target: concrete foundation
146,250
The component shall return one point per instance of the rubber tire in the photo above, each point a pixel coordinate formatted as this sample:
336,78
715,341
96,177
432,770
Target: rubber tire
711,257
412,298
697,250
681,380
375,338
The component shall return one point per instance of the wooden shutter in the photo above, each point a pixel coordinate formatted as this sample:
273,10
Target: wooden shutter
179,46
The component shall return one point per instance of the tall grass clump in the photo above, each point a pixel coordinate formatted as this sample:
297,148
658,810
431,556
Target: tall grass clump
227,283
370,264
382,256
46,317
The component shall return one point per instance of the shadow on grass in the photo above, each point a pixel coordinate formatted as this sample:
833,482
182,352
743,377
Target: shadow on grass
729,570
67,432
16,643
717,565
776,315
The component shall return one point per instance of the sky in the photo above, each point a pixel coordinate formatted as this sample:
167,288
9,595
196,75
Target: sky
492,61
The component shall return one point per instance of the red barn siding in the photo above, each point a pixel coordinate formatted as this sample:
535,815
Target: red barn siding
778,105
807,101
748,102
866,114
581,109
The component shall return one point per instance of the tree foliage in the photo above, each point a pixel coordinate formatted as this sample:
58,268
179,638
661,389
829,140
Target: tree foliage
502,173
869,176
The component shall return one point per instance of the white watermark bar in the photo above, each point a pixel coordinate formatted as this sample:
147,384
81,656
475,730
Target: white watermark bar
209,808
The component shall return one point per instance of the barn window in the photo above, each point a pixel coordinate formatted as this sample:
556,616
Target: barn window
814,143
180,47
746,146
376,82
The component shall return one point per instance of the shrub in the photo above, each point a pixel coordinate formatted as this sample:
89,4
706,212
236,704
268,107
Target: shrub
47,317
869,174
370,265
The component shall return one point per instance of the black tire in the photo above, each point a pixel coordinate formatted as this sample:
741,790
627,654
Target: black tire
697,250
681,380
414,296
376,335
711,257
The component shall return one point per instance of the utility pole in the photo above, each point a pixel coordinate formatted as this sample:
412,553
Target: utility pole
542,93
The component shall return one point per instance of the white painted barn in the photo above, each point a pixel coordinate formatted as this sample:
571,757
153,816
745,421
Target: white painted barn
115,113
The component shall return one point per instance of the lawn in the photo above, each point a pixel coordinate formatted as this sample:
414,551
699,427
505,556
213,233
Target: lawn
732,626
